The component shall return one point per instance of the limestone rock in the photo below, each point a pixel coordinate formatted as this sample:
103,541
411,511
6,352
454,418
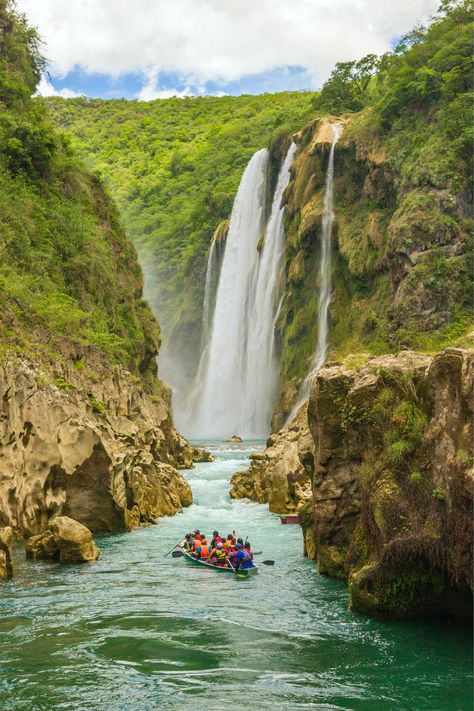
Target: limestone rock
6,565
392,486
67,541
97,448
234,438
280,476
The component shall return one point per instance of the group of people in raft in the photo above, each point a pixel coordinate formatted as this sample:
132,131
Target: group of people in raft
225,552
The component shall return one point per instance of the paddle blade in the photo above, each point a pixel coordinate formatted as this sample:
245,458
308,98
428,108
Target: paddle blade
268,562
177,554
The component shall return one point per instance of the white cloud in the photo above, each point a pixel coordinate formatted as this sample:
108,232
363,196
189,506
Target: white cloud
218,40
45,88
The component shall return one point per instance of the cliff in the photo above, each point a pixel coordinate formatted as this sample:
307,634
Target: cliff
401,252
391,503
85,424
281,475
392,491
100,450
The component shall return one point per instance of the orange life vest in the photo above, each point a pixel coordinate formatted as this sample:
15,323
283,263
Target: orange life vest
204,552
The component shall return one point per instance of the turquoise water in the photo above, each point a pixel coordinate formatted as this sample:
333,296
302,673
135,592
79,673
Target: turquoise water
138,631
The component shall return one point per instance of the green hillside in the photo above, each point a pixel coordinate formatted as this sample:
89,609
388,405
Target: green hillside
70,282
173,167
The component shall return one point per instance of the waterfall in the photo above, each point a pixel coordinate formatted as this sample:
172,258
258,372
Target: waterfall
212,274
324,277
237,381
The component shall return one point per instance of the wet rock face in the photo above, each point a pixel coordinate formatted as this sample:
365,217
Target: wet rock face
6,565
102,452
65,540
392,489
280,476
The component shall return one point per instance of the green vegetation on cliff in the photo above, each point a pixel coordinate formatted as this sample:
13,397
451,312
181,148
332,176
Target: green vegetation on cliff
69,278
403,201
403,195
173,167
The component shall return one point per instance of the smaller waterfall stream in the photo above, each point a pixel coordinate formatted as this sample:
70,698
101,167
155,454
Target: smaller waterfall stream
325,287
214,262
237,380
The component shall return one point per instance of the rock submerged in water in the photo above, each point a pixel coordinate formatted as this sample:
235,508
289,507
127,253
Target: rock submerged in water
6,565
234,438
66,540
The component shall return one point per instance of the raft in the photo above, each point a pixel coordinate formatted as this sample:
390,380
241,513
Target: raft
243,572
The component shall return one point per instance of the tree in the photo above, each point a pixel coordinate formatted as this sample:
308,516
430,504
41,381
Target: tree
21,61
347,87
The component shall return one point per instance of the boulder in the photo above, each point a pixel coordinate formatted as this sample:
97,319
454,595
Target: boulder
234,438
6,566
66,540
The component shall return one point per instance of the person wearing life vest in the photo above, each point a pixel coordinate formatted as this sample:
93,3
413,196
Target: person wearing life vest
198,537
228,544
202,551
243,559
218,555
188,543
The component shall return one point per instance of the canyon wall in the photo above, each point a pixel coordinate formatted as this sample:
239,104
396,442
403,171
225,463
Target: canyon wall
391,503
99,449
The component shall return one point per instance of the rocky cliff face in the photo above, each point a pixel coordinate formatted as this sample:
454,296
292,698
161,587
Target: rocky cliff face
95,446
400,253
392,490
6,563
391,470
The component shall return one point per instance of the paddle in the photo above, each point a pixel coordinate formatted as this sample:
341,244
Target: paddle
167,554
177,554
268,562
228,560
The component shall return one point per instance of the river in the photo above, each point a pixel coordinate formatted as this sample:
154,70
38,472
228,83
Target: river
139,631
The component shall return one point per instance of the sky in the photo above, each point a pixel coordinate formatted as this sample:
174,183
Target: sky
151,49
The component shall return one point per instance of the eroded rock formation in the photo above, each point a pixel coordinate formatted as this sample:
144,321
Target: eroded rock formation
94,446
6,565
65,540
392,491
280,476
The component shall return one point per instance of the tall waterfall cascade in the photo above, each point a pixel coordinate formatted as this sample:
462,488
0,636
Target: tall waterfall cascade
325,282
238,377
